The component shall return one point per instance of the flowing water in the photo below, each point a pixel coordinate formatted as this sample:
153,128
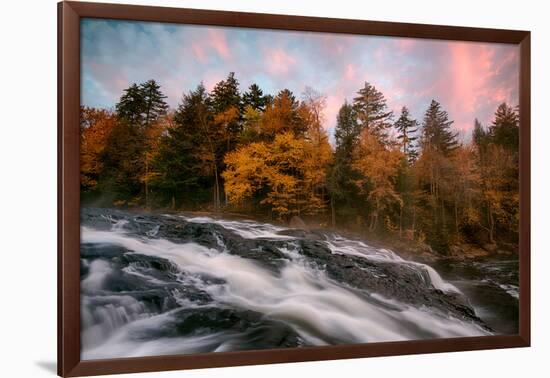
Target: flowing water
167,284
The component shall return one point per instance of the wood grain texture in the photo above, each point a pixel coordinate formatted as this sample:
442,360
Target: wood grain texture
69,15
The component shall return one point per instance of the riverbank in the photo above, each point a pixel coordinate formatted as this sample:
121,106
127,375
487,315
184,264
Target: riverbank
408,249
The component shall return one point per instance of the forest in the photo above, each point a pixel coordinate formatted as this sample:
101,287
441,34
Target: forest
269,156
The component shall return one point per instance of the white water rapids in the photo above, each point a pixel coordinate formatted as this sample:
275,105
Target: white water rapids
317,308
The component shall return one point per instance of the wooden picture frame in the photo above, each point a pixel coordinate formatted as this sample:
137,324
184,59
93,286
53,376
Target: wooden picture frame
69,16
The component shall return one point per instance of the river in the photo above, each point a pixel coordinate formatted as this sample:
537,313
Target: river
159,284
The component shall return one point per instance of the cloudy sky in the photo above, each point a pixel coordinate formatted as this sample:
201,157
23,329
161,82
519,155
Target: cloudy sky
469,79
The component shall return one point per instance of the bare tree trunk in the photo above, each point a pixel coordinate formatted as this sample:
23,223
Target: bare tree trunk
333,212
173,207
400,220
414,221
456,217
216,189
491,227
374,219
146,181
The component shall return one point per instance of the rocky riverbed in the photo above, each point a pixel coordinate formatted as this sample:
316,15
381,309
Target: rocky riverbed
154,284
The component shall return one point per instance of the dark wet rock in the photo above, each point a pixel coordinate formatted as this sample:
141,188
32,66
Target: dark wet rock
400,281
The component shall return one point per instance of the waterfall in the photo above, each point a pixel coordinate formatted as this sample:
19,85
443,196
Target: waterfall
184,284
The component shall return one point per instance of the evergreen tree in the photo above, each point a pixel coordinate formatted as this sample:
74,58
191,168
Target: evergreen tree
479,134
341,173
436,132
254,98
228,109
131,105
505,128
347,131
142,105
406,128
372,111
283,164
123,163
226,94
195,115
154,105
177,168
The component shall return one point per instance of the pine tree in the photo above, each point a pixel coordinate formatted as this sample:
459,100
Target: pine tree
196,116
436,131
142,105
131,105
505,128
154,105
406,128
226,94
176,166
372,111
228,108
479,134
341,173
254,98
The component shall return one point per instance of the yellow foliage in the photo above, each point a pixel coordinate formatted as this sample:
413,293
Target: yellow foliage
378,165
290,169
92,144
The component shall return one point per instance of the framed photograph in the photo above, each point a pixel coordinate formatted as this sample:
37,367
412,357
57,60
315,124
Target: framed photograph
239,188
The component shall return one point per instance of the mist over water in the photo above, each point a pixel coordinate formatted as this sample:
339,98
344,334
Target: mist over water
163,284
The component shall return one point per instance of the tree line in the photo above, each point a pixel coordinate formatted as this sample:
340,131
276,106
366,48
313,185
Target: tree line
265,154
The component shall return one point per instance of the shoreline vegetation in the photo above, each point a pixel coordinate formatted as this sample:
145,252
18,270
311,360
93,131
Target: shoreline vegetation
409,185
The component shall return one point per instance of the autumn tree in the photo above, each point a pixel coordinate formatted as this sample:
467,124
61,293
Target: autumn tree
378,165
283,115
498,159
286,170
316,166
252,125
95,127
271,154
436,172
465,189
406,128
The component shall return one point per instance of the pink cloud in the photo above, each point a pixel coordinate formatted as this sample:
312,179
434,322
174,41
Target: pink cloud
471,70
218,41
349,73
198,52
211,80
214,42
278,61
113,78
405,44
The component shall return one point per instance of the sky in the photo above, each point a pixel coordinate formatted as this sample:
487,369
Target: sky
469,79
